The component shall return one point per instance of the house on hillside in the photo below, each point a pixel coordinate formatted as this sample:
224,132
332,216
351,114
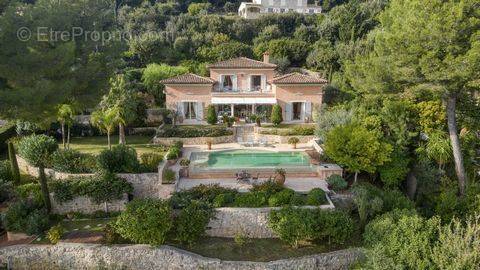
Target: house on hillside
252,10
241,87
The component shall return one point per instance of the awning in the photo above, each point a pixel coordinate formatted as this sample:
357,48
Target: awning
235,100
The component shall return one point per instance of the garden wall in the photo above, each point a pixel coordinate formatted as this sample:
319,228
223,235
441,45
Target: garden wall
250,222
194,141
85,205
145,185
95,256
282,139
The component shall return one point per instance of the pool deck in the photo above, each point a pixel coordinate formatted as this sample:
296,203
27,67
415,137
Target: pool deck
302,185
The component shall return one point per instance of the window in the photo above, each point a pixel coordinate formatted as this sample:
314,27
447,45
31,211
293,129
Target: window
297,111
255,82
270,10
311,11
227,83
189,110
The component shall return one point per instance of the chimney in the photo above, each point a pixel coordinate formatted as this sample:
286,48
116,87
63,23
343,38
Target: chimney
266,57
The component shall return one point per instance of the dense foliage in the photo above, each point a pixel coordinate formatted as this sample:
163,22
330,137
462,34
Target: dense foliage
27,217
298,226
120,159
192,132
100,188
72,161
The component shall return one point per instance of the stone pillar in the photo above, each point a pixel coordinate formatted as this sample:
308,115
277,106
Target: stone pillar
232,106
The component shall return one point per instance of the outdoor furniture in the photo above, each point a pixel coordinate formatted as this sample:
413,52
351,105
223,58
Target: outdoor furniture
243,177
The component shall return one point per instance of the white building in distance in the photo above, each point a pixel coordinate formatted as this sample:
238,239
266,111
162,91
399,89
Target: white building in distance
252,10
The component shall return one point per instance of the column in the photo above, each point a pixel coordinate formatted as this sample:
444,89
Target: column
232,107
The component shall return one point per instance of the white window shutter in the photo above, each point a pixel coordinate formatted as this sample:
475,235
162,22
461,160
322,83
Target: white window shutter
264,83
308,110
288,112
180,109
249,83
234,81
199,111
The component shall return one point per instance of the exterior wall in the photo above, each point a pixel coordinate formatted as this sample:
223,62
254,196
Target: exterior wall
242,75
194,93
85,205
95,256
278,6
298,93
195,141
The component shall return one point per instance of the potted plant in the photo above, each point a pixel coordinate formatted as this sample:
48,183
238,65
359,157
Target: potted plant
293,141
280,176
230,122
209,144
184,163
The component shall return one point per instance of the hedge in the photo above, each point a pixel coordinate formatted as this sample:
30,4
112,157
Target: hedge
192,132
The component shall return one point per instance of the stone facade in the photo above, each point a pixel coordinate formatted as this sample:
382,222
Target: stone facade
194,141
249,222
95,256
85,205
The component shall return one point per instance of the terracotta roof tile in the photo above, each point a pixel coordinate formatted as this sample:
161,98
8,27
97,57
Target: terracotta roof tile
297,78
188,78
241,62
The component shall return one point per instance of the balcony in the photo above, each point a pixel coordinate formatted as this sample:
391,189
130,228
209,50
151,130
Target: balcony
251,90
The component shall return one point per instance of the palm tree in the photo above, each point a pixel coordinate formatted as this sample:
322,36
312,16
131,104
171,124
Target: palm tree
438,148
105,120
66,116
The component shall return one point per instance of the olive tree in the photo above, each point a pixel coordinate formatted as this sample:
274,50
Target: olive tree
37,149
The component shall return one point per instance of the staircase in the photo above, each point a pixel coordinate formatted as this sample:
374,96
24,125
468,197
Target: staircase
244,133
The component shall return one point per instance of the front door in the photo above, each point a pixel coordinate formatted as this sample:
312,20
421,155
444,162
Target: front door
241,111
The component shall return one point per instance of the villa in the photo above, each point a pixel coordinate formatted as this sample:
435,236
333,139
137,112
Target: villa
252,10
241,87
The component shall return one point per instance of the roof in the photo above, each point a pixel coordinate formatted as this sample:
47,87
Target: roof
188,78
241,62
297,78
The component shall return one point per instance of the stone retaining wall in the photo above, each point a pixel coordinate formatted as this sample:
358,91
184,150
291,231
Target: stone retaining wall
85,205
282,139
194,141
95,256
250,222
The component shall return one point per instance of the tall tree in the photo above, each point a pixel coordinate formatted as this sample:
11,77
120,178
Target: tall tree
426,45
105,120
66,116
44,61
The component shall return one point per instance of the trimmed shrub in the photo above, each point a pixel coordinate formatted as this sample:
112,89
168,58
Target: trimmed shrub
55,234
30,191
211,115
206,193
192,221
192,132
173,153
297,226
316,196
6,191
145,221
336,182
72,161
168,177
276,116
251,199
37,149
121,159
25,217
298,200
100,188
281,198
150,161
224,199
269,187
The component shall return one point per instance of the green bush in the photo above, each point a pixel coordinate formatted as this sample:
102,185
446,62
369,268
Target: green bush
120,159
251,199
145,221
37,149
205,193
6,191
224,199
302,130
5,171
173,153
100,188
192,221
6,132
281,198
276,116
150,161
55,234
25,217
31,191
192,132
169,177
72,161
297,225
298,200
336,182
269,187
211,115
316,196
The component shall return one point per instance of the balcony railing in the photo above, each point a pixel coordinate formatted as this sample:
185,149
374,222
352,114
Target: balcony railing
253,89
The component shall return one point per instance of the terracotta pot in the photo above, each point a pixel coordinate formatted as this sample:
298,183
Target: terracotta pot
280,179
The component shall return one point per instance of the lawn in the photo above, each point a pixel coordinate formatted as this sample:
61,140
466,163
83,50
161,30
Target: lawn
93,145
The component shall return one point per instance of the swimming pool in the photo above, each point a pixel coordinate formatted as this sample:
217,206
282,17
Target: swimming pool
245,159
